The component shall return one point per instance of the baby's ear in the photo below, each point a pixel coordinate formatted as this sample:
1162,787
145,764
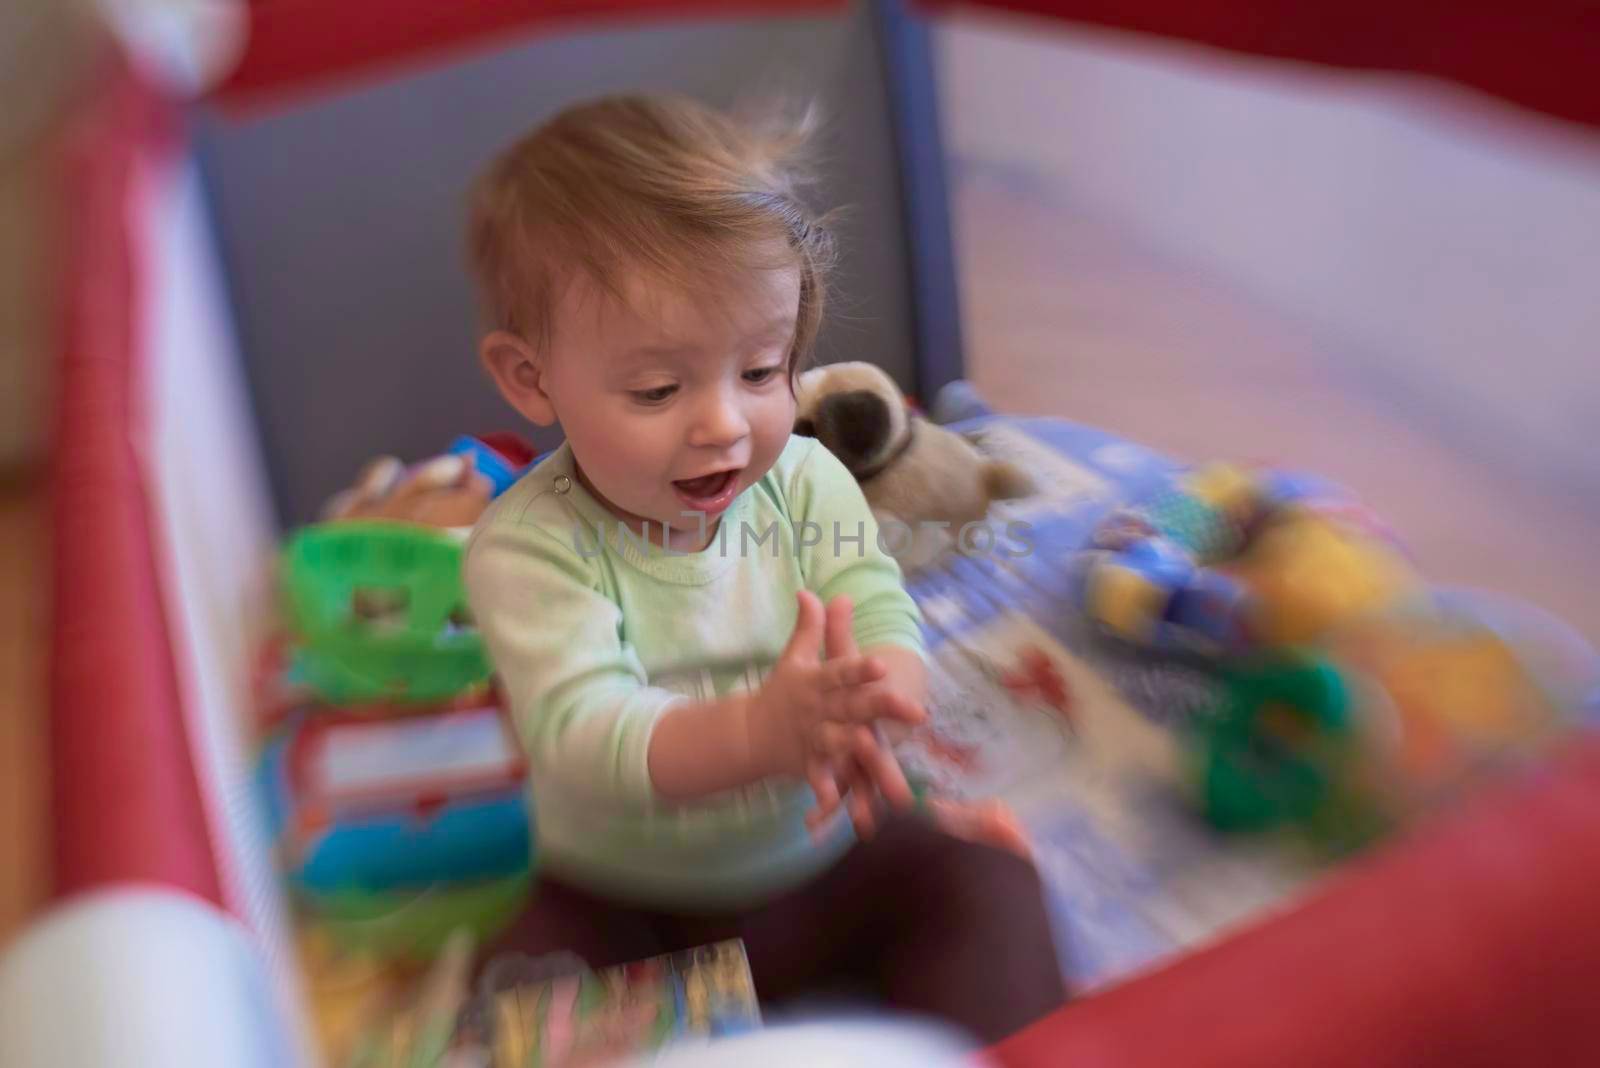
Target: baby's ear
518,371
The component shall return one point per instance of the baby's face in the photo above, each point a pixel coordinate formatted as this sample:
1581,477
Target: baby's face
674,405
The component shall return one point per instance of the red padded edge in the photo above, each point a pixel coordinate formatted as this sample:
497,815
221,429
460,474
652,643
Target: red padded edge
296,45
1476,942
126,802
1544,56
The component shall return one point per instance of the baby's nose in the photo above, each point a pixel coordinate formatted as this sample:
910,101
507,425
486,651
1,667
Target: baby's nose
721,422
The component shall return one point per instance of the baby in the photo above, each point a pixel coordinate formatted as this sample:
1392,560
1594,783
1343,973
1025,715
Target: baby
701,641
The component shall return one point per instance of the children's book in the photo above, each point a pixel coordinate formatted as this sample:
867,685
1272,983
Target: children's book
583,1018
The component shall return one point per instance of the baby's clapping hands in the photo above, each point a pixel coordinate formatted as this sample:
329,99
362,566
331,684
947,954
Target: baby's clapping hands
819,719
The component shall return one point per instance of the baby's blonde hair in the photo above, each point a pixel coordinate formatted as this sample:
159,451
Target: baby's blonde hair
659,183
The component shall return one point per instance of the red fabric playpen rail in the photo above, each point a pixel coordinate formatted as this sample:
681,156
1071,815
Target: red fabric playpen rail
1543,55
1473,943
125,796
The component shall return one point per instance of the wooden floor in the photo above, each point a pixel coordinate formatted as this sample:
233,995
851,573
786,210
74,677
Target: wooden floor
24,878
1064,315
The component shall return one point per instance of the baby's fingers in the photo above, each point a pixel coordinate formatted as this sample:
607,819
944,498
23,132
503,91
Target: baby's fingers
820,774
834,742
805,644
880,765
864,705
861,794
847,672
818,820
859,801
838,634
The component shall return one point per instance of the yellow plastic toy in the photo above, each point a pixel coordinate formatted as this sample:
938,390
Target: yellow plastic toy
1309,572
1459,697
1227,488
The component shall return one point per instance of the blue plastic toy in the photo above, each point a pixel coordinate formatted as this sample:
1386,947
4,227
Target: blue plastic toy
500,458
367,805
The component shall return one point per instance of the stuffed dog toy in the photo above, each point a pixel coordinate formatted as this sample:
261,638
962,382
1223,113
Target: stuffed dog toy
908,468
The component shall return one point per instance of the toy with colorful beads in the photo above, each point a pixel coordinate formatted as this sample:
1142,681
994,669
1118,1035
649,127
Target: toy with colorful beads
1229,560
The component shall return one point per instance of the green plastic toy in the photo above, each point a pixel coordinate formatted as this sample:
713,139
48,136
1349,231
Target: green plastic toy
380,612
415,924
1283,752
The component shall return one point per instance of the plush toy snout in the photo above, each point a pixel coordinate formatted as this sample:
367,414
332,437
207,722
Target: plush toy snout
854,426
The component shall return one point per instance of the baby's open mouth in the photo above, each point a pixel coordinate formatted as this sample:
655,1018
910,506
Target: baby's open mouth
708,493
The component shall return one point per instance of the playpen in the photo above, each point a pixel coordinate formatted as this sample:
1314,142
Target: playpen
195,415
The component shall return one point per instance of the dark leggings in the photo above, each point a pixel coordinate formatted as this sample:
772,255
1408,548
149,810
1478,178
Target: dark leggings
933,924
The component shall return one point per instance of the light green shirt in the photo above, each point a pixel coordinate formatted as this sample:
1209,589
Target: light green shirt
595,634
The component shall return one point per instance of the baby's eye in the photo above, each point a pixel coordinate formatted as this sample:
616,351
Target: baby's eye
761,374
659,395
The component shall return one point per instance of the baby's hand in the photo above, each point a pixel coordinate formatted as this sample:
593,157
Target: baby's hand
810,713
860,766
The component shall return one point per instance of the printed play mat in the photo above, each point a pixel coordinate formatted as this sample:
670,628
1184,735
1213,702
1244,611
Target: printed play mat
1133,875
1083,735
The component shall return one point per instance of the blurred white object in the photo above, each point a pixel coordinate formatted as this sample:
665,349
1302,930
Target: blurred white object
137,978
187,45
843,1043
